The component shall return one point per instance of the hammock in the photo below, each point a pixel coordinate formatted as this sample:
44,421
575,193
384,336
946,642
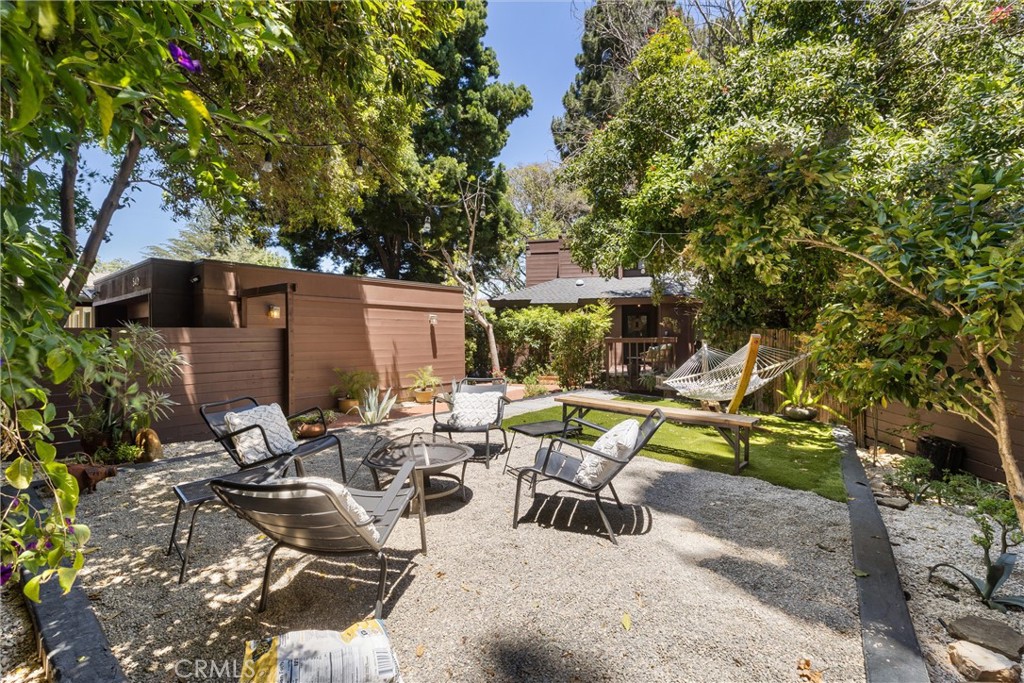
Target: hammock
713,375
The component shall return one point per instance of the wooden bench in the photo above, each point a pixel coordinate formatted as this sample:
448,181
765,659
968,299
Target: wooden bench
735,429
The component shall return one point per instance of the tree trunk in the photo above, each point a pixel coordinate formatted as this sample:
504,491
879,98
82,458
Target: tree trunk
1011,468
492,344
111,203
68,226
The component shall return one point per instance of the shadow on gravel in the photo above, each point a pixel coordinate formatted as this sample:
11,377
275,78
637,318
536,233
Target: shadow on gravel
772,543
522,659
566,511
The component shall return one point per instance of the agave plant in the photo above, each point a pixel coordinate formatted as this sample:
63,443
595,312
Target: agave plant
992,512
375,408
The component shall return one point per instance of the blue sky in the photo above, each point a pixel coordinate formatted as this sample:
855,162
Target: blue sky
536,43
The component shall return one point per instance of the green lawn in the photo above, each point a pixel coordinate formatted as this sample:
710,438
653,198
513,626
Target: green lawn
797,455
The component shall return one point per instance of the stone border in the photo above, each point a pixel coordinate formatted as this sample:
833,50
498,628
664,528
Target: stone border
891,649
72,643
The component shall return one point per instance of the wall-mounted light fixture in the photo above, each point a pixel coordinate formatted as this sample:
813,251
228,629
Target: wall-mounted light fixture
273,312
433,320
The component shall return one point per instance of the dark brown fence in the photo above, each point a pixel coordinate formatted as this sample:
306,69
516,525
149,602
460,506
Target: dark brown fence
222,363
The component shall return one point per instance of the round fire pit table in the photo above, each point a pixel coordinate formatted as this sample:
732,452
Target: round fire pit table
433,454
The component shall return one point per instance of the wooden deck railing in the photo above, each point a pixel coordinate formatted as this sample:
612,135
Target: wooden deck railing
630,357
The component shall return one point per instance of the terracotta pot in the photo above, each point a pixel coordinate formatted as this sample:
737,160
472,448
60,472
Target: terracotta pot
309,431
799,413
423,395
347,404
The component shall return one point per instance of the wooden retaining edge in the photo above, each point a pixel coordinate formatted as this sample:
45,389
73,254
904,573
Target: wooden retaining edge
72,643
891,649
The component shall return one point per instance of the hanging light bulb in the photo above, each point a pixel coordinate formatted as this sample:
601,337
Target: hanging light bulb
426,225
267,166
359,161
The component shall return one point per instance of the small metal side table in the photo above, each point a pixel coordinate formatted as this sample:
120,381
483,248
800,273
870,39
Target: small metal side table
542,429
193,495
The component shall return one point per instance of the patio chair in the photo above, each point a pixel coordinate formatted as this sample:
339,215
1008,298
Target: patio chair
477,405
260,433
322,517
594,469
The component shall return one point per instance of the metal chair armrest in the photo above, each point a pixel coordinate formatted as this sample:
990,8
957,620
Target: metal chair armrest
585,449
393,490
584,423
433,405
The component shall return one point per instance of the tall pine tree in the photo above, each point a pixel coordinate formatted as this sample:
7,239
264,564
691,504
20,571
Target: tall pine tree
613,34
463,130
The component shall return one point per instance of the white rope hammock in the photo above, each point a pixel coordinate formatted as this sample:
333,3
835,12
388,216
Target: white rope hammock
713,375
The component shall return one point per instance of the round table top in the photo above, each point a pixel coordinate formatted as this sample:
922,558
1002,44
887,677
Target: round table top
432,453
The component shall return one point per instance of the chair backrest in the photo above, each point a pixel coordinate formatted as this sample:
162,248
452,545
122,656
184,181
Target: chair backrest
302,515
213,414
482,385
647,429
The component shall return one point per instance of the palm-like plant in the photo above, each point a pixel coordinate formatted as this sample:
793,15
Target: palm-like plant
799,400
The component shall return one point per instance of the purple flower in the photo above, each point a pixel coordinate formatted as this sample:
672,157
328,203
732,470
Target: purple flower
6,572
183,60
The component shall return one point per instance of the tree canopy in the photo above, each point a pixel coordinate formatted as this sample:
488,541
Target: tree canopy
463,129
863,156
613,34
206,238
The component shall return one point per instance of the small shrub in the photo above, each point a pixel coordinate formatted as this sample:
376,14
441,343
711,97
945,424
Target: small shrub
965,489
579,346
911,476
532,386
118,454
525,338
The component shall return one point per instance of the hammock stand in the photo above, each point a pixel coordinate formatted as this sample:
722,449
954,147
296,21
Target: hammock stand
713,375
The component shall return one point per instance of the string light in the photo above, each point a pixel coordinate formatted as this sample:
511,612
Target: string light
426,226
359,161
267,166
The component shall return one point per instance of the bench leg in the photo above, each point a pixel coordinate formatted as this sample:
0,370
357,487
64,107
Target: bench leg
740,442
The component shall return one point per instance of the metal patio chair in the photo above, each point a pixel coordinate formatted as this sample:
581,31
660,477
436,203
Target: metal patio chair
214,416
309,516
555,463
451,422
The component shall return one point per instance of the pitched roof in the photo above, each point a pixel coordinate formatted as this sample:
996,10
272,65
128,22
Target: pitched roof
586,289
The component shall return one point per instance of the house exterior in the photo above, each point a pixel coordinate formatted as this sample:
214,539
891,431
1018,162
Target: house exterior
638,323
278,333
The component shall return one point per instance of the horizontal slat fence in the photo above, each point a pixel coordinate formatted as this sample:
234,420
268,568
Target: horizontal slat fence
223,363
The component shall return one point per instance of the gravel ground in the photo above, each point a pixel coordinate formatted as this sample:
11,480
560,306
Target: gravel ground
922,536
723,578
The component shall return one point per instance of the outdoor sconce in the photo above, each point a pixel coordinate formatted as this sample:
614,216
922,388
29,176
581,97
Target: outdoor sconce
433,320
273,312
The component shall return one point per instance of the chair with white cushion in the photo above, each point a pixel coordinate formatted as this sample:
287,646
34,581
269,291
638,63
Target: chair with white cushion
477,405
594,468
254,434
324,517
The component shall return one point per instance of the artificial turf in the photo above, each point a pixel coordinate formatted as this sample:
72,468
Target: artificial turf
797,455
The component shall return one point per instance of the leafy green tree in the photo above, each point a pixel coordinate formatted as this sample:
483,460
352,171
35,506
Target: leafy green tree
613,35
884,138
463,129
119,75
207,238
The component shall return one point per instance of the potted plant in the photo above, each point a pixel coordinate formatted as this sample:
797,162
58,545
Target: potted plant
351,385
375,408
423,382
799,403
309,426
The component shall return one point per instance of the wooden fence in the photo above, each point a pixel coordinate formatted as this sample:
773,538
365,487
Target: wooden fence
222,363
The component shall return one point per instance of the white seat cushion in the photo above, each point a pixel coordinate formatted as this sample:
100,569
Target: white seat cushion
348,503
475,410
250,445
617,442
